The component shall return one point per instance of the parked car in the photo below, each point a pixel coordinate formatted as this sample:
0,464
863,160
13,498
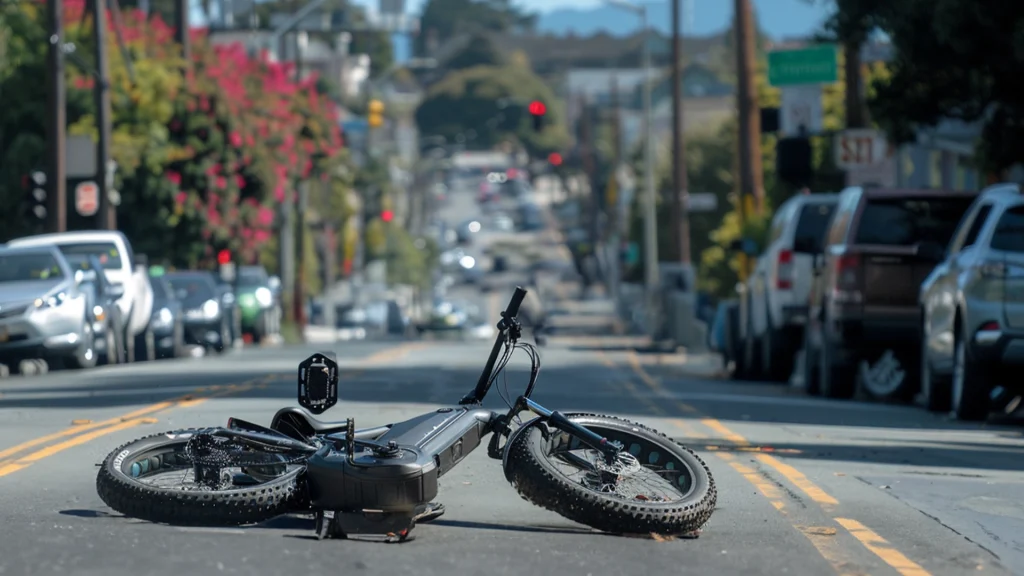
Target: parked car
882,243
168,321
258,304
773,311
206,324
972,309
101,297
119,264
229,306
43,312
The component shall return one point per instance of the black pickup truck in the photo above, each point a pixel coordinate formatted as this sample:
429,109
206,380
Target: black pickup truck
881,245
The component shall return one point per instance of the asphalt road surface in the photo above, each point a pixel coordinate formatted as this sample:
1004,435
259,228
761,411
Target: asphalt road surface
807,486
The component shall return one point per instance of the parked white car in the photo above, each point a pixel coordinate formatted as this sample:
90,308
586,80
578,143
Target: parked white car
115,254
773,308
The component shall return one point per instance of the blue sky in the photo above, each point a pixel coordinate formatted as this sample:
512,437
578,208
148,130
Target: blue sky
777,17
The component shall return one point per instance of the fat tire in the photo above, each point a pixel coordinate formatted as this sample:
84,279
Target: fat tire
535,480
235,507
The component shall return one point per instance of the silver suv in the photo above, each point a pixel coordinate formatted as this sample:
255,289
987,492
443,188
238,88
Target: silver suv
973,308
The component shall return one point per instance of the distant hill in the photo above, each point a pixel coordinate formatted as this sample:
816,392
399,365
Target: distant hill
777,18
608,19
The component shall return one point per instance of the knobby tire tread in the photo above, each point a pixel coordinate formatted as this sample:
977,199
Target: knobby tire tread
553,492
235,507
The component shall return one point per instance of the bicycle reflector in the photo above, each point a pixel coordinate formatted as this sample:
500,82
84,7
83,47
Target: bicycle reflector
318,382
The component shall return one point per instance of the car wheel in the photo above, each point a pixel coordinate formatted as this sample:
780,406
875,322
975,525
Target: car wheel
935,388
145,347
971,385
85,356
836,380
812,380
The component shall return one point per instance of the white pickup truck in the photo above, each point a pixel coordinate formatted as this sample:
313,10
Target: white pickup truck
115,254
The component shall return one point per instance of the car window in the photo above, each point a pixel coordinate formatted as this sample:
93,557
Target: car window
779,224
106,252
811,226
192,289
1009,234
976,224
909,221
29,267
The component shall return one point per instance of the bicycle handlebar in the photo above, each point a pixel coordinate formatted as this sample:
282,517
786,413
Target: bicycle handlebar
484,383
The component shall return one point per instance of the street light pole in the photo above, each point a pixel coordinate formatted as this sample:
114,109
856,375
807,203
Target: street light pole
650,210
650,197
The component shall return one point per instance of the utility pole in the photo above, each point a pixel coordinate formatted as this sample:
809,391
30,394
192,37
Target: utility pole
751,172
680,184
856,111
299,297
107,211
57,199
181,27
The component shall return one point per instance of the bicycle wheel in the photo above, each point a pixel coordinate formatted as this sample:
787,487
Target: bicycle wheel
154,479
655,486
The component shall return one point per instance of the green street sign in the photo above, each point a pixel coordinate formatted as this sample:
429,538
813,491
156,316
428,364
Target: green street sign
813,65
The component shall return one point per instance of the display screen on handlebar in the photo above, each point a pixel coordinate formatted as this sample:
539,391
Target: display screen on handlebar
318,383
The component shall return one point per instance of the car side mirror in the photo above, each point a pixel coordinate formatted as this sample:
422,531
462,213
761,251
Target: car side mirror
745,246
116,290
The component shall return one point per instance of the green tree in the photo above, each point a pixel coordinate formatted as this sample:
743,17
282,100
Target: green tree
953,59
444,19
480,51
491,100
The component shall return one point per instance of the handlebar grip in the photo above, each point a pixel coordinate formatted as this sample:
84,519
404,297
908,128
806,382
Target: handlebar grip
515,302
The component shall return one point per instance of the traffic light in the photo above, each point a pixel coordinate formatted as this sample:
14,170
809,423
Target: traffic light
35,183
538,110
376,114
387,215
224,257
793,161
555,159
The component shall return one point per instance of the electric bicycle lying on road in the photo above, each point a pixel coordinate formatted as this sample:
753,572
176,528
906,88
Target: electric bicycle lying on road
608,473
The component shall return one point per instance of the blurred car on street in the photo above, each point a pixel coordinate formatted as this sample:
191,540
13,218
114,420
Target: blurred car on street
168,320
206,324
43,312
259,308
972,309
107,321
881,245
773,311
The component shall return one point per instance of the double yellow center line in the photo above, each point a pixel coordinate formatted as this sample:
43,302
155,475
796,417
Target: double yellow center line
821,537
27,453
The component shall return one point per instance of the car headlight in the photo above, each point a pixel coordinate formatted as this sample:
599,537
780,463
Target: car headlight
51,301
467,262
264,297
99,313
210,309
162,318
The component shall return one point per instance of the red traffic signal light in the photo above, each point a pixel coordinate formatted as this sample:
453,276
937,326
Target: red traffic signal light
387,215
224,257
555,159
537,108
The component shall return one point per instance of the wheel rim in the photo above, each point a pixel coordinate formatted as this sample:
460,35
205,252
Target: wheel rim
877,386
959,357
642,462
90,349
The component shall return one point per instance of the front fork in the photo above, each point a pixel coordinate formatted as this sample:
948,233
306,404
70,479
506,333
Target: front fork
500,427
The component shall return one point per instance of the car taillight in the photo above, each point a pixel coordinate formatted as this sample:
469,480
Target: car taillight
784,270
847,284
989,327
